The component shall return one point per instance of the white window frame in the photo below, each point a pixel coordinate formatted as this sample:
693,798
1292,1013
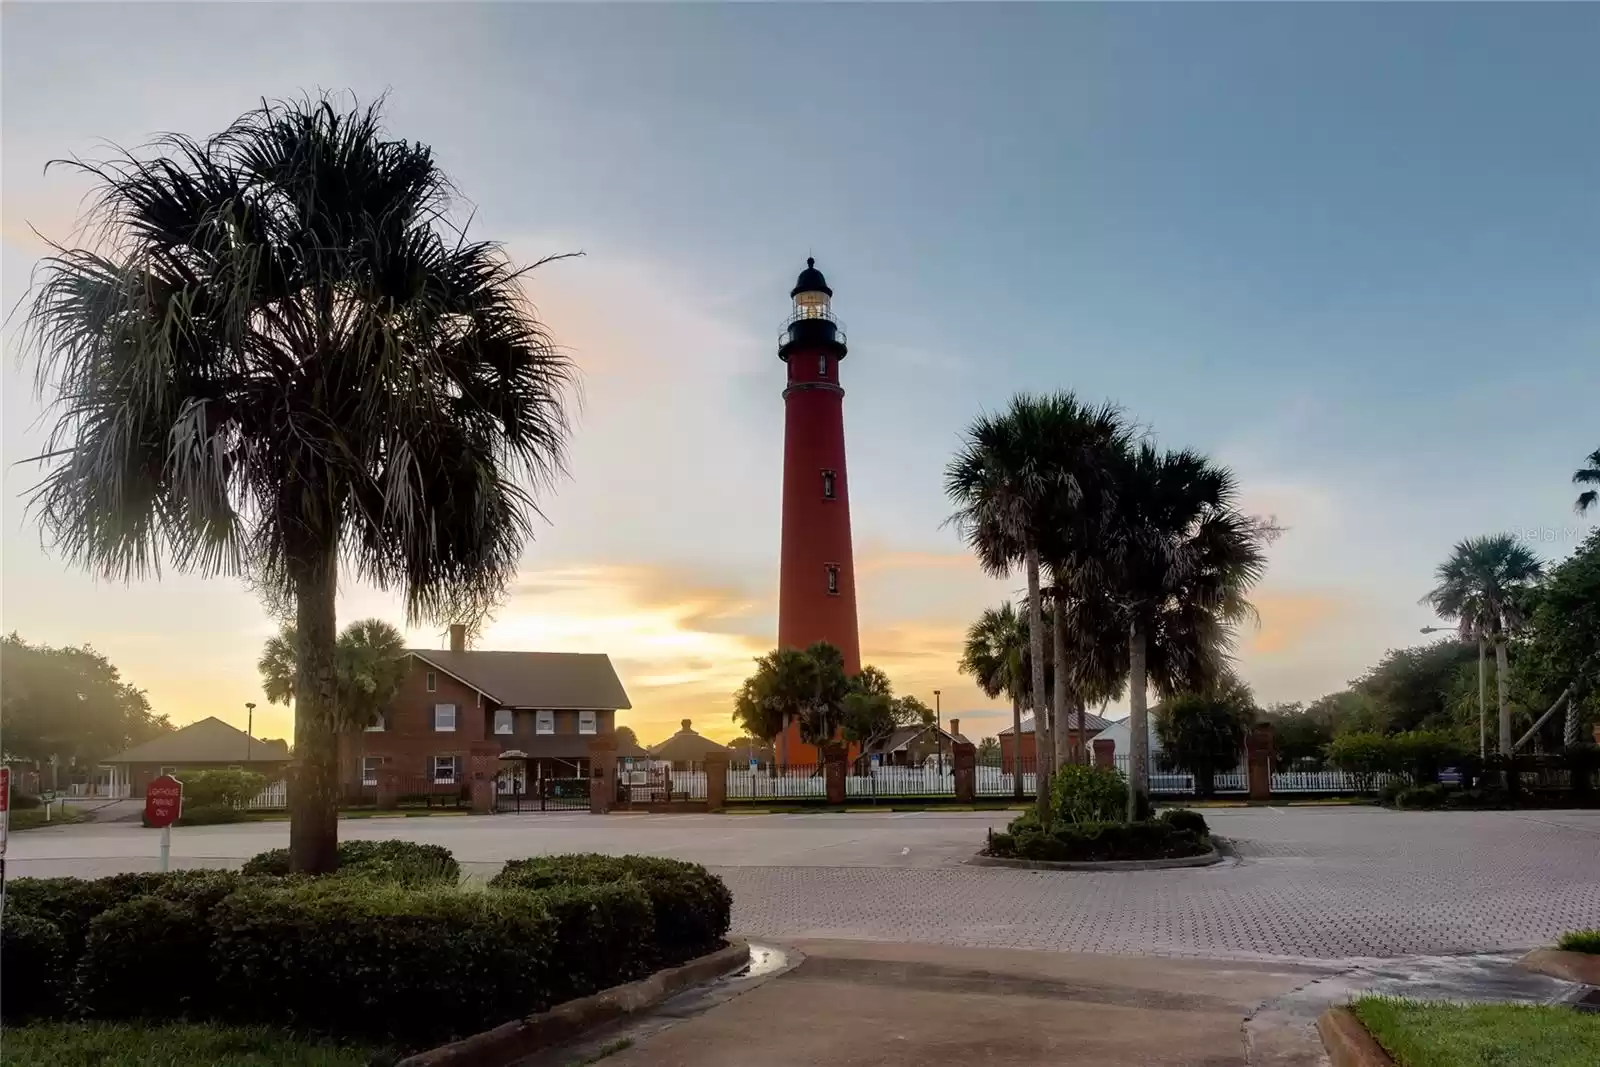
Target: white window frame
544,722
508,725
822,364
379,724
454,714
832,570
589,719
454,769
433,682
370,776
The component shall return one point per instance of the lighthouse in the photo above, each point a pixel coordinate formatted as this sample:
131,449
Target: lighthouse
817,579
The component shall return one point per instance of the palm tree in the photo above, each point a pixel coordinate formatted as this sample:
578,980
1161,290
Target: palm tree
1179,559
995,656
1484,583
807,686
281,357
1587,475
1091,654
1014,479
371,664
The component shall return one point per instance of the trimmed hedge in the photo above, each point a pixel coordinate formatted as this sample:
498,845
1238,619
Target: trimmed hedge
33,964
1421,796
361,958
604,935
148,958
1089,794
209,816
1085,842
693,907
406,862
1184,819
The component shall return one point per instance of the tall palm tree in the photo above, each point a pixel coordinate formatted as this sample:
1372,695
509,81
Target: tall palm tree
807,686
1179,558
1587,475
1091,655
280,357
1484,584
994,655
370,665
1014,477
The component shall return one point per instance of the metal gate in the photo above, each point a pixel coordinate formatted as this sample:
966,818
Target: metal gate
514,792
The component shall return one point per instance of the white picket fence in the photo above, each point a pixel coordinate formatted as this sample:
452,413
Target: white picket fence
275,797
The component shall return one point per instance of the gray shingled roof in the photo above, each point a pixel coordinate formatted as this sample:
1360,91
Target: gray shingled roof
686,746
569,680
208,741
1094,723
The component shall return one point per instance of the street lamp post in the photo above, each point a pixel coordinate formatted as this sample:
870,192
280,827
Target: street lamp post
249,728
1483,722
938,732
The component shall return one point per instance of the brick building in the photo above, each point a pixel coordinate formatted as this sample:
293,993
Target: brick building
207,745
1093,723
457,711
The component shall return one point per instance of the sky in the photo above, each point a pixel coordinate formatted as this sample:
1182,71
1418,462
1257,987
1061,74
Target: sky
1352,251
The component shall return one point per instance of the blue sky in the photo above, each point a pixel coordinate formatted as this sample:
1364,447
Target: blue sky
1352,250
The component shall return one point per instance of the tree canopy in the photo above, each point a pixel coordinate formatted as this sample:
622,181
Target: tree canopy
371,663
70,703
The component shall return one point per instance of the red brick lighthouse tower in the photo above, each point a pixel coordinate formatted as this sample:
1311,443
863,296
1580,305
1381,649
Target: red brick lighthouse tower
817,579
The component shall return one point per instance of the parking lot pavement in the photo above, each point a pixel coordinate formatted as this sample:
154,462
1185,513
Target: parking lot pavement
1319,883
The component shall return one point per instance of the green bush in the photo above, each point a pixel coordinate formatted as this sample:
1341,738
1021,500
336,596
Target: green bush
604,936
1157,839
69,903
1184,819
1364,756
1421,796
220,789
148,958
406,862
1089,794
33,966
364,959
1581,941
24,801
1422,754
692,906
1390,791
209,816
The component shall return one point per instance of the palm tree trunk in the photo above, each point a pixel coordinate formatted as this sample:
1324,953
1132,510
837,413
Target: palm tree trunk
1138,725
1016,746
1483,726
1083,732
1044,755
314,793
1502,685
1063,723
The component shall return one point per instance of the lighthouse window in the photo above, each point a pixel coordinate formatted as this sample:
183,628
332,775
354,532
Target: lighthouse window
828,484
822,366
833,579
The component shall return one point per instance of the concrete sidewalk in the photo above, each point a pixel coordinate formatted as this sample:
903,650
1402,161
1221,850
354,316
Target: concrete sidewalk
858,1003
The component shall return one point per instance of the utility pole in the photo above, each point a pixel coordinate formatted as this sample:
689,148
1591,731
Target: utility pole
938,731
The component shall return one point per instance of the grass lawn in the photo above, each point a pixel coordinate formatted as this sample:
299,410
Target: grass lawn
1581,941
97,1044
33,818
1480,1035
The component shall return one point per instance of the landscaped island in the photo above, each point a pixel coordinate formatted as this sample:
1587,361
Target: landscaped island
1085,826
387,955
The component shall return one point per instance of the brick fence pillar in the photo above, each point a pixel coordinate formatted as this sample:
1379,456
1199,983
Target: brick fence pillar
964,761
1258,760
716,780
833,769
388,786
1105,751
483,765
602,773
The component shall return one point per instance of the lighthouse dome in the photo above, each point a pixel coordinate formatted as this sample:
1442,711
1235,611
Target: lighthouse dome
810,280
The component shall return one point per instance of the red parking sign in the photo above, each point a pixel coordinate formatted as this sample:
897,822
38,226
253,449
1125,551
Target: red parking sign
163,801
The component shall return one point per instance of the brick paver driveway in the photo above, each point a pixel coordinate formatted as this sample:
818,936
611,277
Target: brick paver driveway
1323,883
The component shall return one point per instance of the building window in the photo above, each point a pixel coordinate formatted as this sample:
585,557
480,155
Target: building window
833,579
433,682
588,722
369,769
444,770
502,720
830,485
822,365
378,724
444,718
544,722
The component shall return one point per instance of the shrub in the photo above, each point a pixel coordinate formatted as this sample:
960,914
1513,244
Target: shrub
1421,753
406,862
33,964
365,959
1421,796
209,816
1390,791
692,906
1157,839
1581,941
24,801
220,789
1089,794
604,936
1184,819
1361,755
147,958
68,903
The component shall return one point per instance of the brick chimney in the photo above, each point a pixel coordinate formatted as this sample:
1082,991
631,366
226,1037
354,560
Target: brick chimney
955,727
685,726
458,637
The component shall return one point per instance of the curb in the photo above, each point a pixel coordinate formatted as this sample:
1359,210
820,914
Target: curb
520,1038
1206,859
1348,1042
1580,967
